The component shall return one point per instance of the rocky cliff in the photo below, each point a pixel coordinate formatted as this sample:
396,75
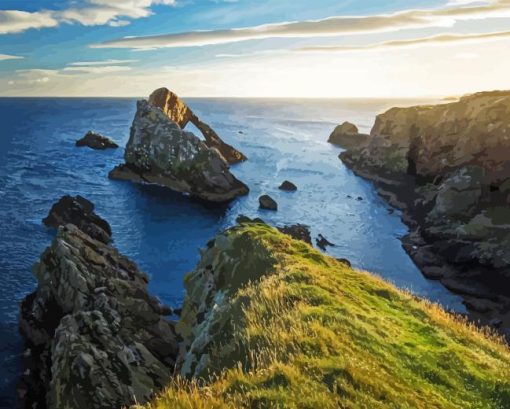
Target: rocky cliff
160,152
95,337
270,322
181,114
448,168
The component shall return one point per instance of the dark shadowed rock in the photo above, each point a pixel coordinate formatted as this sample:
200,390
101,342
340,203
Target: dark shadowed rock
298,232
288,186
344,261
268,203
181,114
322,242
347,136
160,152
80,212
95,141
95,337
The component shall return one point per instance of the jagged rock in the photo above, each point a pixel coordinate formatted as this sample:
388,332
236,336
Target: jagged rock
268,203
80,212
181,114
298,232
322,242
288,186
347,136
95,141
95,337
160,152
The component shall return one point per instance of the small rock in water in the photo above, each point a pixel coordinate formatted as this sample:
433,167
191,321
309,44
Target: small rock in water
288,186
268,203
322,242
359,198
95,141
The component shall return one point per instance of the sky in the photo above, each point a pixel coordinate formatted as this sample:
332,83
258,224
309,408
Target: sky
254,48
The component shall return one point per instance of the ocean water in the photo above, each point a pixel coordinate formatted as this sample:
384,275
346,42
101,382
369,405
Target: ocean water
162,230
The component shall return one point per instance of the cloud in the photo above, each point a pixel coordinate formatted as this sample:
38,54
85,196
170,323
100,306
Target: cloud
91,13
105,62
4,57
96,69
434,40
333,26
14,21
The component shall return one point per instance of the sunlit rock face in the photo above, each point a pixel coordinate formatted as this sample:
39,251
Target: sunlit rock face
447,167
95,337
160,152
347,136
181,114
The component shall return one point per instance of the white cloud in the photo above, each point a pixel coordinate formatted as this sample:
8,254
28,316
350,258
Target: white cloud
333,26
96,69
4,57
433,40
105,62
90,13
14,21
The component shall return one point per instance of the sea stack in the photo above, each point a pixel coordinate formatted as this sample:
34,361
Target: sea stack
96,141
181,114
160,152
347,136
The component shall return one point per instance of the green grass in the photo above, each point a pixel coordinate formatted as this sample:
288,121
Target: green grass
312,333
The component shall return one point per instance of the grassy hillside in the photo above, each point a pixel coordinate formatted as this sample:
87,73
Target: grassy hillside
310,332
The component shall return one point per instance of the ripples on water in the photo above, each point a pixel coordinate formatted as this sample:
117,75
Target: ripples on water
161,230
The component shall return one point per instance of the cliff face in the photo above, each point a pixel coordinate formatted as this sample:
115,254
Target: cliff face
428,141
448,168
95,338
159,152
268,321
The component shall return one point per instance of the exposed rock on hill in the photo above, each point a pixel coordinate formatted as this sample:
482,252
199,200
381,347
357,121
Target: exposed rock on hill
95,337
448,168
159,152
95,141
181,114
80,212
347,136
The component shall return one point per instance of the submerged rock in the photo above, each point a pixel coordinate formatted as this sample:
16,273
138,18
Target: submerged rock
80,212
347,136
288,186
95,337
96,141
268,203
160,152
181,114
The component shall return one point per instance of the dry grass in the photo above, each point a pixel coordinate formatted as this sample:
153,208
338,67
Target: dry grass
322,335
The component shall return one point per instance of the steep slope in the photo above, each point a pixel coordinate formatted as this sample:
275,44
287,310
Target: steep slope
270,322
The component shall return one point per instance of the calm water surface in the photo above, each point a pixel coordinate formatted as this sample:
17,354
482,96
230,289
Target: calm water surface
161,230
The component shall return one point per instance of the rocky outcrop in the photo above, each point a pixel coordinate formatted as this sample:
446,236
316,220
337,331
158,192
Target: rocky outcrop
160,152
288,186
448,168
347,136
268,203
95,141
181,114
297,232
80,212
95,337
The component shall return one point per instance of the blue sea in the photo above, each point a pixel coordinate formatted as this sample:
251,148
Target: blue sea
161,230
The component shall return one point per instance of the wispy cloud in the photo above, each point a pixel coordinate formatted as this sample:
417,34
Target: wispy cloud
4,57
96,69
115,13
333,26
104,62
437,39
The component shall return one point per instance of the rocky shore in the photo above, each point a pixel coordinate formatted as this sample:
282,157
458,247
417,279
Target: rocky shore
95,338
160,152
447,167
